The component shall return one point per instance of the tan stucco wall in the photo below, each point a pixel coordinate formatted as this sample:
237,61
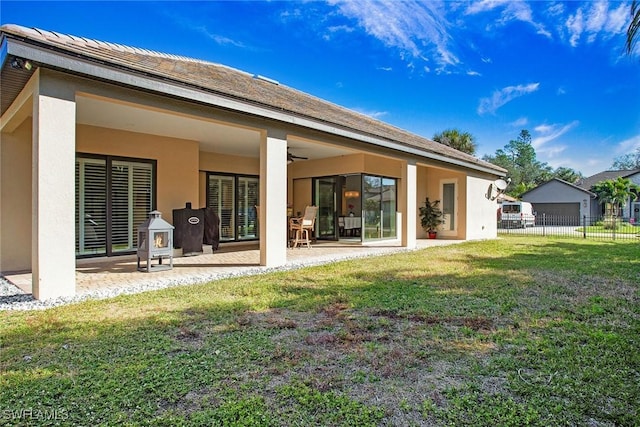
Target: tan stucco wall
354,163
177,161
223,163
344,165
429,179
15,199
301,194
376,165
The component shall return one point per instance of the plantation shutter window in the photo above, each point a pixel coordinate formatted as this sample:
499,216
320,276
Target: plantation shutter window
91,206
113,196
234,199
220,196
131,202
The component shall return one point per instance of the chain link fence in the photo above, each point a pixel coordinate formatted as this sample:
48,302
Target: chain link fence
603,228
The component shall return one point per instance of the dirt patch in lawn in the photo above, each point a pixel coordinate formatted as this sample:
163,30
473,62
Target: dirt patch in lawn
377,358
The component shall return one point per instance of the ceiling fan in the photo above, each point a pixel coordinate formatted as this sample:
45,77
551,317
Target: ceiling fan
292,157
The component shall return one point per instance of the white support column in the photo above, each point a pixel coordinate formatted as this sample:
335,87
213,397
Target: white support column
273,200
53,208
410,214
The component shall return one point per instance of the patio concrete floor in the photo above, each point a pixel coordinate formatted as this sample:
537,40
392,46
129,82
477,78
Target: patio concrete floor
230,260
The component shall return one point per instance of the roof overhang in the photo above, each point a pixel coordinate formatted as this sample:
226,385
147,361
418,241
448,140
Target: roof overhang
51,57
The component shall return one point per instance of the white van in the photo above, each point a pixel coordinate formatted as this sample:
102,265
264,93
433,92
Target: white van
517,214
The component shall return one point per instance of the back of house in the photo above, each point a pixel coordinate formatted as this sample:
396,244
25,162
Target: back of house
517,214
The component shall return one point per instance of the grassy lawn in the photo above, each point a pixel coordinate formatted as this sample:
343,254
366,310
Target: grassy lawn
622,228
516,331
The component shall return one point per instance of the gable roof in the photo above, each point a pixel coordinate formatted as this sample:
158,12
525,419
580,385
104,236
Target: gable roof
589,182
574,186
231,84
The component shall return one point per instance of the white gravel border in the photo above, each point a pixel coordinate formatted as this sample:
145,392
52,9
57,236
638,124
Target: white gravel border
13,298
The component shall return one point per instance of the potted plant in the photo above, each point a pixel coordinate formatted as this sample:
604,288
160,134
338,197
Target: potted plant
430,217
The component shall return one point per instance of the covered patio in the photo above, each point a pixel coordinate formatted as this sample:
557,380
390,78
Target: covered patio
95,136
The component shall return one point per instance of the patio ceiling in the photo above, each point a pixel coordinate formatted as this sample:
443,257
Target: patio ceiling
212,136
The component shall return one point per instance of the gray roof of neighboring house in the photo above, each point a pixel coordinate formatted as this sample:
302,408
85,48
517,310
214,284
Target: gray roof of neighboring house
577,187
237,85
589,182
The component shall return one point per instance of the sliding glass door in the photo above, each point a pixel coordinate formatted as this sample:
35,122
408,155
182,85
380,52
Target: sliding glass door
325,199
379,200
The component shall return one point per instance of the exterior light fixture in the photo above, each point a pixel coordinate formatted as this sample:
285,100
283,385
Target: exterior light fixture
21,64
352,194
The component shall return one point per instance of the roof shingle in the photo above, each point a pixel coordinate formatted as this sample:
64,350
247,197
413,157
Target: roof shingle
590,181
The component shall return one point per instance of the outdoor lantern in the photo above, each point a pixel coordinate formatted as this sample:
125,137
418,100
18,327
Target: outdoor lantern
155,241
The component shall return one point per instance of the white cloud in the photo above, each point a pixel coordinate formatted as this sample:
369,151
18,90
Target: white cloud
597,16
522,121
373,114
618,20
549,133
473,73
556,9
505,95
512,11
485,6
598,19
440,31
221,40
575,25
417,29
628,145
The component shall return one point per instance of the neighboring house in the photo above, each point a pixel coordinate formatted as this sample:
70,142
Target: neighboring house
95,135
561,199
629,209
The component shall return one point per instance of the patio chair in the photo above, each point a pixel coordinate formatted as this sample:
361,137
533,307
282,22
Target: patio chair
301,227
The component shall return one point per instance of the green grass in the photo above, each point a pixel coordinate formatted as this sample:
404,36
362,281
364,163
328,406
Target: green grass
607,227
515,331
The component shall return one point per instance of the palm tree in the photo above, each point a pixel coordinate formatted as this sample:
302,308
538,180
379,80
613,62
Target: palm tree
615,192
634,27
461,141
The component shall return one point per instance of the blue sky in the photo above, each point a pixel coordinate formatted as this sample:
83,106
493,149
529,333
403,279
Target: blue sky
491,68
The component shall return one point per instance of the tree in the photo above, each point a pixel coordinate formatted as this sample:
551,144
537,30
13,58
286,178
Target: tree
616,192
634,27
627,161
462,141
568,175
518,157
